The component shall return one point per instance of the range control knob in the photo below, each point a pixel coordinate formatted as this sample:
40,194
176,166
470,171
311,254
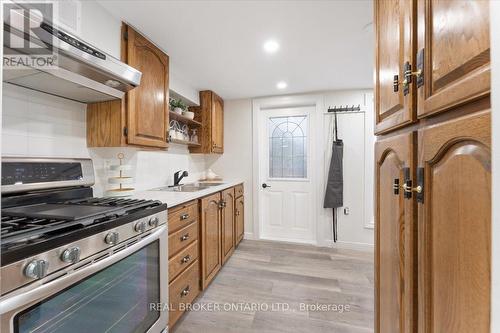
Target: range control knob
153,222
71,255
140,226
36,269
112,238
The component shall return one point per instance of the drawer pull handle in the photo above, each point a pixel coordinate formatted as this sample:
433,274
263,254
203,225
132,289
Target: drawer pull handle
185,237
186,259
185,292
184,216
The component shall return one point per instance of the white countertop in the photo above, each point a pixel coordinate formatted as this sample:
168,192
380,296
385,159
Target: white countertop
172,198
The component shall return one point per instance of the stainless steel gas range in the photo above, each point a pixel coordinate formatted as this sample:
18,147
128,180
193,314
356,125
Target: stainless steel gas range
71,262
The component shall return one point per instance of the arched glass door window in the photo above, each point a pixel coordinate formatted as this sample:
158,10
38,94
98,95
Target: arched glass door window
288,147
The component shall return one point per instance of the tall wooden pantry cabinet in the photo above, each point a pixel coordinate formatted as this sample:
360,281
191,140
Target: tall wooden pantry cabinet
433,166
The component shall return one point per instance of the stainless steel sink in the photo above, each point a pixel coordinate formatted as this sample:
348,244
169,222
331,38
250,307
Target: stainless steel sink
211,184
195,187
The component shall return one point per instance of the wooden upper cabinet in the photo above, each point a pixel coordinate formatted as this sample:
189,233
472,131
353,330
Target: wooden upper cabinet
455,226
147,105
217,124
211,114
394,46
454,37
228,233
395,237
141,118
211,258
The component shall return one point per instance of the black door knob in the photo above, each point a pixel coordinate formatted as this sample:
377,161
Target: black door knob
264,185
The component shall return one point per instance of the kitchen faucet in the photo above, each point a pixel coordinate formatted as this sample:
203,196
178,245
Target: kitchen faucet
178,176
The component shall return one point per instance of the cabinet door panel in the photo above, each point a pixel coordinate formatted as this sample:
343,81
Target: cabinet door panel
218,124
147,104
395,252
455,38
211,238
239,219
394,46
227,224
455,226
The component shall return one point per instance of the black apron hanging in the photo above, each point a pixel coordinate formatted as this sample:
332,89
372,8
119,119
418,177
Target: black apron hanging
335,185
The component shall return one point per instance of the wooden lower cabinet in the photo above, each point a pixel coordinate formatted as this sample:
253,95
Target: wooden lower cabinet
211,238
395,236
202,236
455,226
239,219
227,219
183,263
433,234
182,291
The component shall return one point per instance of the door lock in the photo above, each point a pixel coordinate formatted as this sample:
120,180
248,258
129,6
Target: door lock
264,185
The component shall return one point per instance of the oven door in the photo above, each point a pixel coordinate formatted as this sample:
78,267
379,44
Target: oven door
120,293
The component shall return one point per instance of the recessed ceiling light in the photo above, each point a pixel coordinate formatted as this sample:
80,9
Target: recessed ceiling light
271,46
281,85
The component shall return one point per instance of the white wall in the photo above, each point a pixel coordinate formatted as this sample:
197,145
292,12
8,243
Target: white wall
40,125
236,162
355,229
356,131
495,100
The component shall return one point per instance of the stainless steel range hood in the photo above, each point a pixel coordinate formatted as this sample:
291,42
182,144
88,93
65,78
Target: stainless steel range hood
81,72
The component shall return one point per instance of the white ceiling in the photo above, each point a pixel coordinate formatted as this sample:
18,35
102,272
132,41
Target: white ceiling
217,45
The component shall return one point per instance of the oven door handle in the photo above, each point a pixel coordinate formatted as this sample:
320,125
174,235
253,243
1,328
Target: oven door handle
29,294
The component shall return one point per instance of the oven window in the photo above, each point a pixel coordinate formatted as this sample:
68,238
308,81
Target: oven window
116,299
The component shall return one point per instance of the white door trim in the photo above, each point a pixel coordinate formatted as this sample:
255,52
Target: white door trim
315,100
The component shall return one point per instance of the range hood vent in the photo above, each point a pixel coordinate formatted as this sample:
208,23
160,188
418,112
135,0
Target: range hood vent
81,72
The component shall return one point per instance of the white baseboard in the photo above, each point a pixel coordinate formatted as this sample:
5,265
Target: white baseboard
289,240
370,225
348,245
248,235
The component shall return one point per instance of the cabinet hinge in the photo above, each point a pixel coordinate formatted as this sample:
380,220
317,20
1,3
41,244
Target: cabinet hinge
407,183
420,184
420,68
395,186
125,34
125,131
407,78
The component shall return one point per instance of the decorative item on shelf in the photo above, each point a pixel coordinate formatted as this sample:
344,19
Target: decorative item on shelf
188,114
121,179
177,105
185,133
175,130
194,136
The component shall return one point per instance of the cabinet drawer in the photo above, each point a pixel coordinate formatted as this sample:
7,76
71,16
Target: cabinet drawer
238,190
182,238
183,259
183,290
182,215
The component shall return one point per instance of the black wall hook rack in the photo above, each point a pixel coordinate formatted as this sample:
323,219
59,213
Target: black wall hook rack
346,108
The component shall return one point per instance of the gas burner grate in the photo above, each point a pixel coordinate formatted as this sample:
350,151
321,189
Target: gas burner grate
17,229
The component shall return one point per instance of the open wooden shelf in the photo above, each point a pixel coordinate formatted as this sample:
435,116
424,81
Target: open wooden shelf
184,142
185,120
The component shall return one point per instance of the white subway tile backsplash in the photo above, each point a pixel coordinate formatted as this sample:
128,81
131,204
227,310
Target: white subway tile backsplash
15,125
40,125
14,145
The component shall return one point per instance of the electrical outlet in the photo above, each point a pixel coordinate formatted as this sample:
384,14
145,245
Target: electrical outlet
346,211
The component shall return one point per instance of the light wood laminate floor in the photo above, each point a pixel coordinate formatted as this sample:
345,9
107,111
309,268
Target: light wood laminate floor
266,273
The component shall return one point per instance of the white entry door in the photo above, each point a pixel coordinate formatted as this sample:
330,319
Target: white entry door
285,193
